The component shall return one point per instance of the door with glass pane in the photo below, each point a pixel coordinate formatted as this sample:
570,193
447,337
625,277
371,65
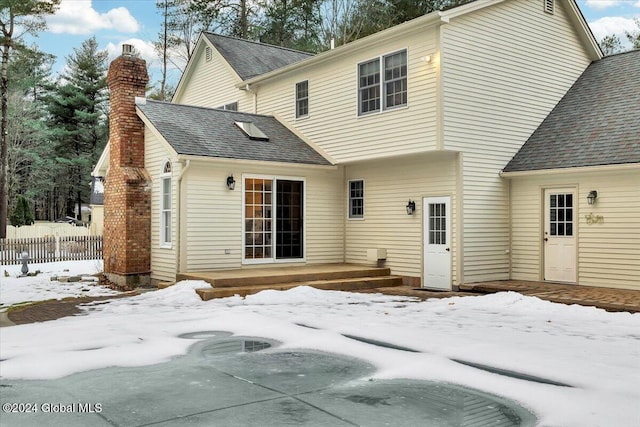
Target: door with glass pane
437,242
560,235
273,215
258,214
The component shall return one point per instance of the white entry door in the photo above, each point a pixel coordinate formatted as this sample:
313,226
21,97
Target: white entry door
559,235
437,242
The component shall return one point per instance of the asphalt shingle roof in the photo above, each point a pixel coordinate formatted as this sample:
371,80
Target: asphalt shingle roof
209,132
250,58
597,122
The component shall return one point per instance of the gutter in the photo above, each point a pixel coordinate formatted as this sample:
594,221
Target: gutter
204,159
564,171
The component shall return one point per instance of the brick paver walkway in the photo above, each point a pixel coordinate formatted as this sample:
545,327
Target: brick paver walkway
55,309
605,298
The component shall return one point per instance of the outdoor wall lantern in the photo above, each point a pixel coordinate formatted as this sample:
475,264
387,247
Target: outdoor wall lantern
411,207
231,183
592,196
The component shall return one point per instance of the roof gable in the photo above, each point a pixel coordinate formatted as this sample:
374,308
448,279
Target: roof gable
250,59
210,132
596,123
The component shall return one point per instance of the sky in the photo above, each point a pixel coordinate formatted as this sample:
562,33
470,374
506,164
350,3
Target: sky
594,352
137,22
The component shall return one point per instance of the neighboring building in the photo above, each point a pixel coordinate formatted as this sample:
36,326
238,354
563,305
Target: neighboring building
328,153
96,203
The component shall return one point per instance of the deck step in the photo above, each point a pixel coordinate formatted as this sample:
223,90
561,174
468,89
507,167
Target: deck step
164,285
250,279
342,284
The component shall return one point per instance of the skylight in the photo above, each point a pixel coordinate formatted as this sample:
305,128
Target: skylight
252,131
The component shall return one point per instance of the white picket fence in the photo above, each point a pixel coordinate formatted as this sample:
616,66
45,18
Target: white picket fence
50,249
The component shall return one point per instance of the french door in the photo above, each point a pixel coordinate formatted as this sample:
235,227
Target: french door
273,219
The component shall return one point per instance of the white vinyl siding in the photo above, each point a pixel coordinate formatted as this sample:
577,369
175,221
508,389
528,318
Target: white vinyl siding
212,84
163,259
504,68
212,221
390,184
608,251
335,125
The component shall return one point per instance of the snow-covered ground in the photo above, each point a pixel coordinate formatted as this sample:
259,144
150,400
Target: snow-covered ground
596,352
17,290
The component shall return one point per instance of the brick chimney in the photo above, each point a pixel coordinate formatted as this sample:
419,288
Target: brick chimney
127,196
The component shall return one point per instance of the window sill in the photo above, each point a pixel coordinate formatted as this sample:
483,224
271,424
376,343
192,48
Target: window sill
387,110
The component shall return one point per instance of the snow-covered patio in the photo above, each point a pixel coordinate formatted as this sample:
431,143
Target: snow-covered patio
595,352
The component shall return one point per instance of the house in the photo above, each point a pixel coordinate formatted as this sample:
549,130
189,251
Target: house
96,204
403,148
575,184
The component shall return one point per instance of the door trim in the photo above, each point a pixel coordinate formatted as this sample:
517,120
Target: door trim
546,234
274,259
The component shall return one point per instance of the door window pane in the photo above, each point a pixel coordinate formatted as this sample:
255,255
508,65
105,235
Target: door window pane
437,224
561,215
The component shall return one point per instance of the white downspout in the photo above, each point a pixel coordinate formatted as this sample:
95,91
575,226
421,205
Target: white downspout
178,219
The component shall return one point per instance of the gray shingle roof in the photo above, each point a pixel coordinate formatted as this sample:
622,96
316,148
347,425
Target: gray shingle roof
596,123
209,132
250,59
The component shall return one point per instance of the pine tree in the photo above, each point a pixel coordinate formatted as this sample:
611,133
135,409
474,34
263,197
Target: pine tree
77,109
28,16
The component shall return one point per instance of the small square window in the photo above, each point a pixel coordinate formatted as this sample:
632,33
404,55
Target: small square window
356,199
302,99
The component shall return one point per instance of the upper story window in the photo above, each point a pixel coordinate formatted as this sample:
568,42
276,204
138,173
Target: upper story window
302,99
356,199
395,79
233,106
369,87
391,89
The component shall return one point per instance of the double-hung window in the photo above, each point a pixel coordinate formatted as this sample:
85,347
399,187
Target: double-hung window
382,83
356,199
165,205
302,99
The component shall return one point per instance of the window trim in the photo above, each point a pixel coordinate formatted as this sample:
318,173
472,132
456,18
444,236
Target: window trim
381,83
166,239
350,215
297,100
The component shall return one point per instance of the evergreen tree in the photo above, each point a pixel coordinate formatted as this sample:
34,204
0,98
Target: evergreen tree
22,213
78,122
28,17
292,23
29,71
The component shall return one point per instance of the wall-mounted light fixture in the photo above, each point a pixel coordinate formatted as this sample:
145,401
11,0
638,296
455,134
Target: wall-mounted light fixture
231,183
426,58
592,196
411,207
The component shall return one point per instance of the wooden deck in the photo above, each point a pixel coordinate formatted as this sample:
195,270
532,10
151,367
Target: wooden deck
341,277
